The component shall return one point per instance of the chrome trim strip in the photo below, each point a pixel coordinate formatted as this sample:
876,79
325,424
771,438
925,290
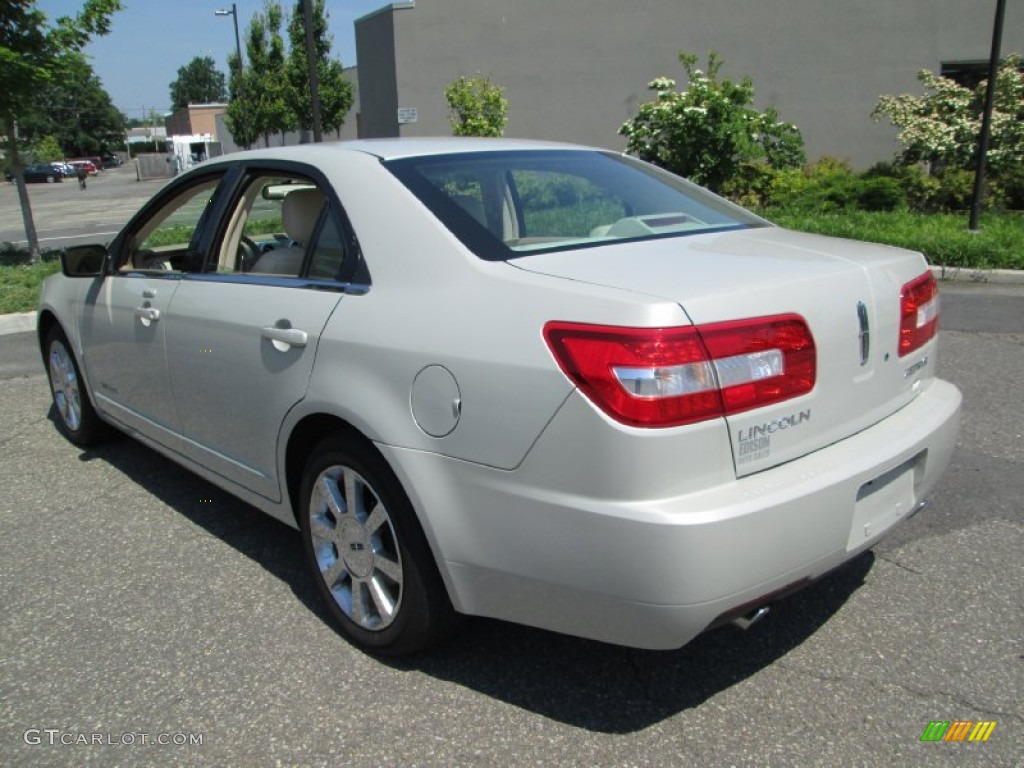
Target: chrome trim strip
282,281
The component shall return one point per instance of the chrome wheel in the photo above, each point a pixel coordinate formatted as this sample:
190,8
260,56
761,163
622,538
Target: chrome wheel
64,381
355,548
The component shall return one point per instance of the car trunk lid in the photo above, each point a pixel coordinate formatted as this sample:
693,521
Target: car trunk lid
848,293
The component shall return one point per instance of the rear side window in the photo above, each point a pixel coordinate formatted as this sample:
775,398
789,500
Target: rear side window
506,204
280,224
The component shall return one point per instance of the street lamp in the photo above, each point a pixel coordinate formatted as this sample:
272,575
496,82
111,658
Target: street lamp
238,47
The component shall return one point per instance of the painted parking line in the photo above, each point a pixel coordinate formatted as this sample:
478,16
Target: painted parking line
68,237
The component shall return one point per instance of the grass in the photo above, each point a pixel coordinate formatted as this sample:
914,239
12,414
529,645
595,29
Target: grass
182,233
944,238
20,283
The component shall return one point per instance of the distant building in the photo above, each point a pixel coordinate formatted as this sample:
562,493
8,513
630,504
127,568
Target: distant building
575,70
195,119
145,134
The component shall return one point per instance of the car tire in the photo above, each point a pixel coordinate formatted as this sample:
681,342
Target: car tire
368,555
76,417
50,179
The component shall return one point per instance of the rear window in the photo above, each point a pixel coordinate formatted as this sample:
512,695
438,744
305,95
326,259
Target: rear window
507,204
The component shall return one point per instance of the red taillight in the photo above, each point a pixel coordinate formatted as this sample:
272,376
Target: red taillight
665,377
919,313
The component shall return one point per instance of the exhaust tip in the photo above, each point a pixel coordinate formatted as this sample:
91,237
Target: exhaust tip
748,620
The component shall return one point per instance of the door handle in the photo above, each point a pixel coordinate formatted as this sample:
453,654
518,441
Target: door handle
147,315
285,337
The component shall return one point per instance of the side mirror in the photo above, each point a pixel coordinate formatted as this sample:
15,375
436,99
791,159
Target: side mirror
83,260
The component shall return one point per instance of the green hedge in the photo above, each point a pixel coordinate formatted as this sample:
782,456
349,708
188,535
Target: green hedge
943,237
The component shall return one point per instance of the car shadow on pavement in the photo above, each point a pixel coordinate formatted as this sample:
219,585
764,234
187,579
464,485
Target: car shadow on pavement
612,689
583,683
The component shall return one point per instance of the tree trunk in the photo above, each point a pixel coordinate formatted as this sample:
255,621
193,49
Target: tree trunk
31,238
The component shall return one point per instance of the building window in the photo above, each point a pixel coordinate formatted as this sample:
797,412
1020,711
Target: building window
967,73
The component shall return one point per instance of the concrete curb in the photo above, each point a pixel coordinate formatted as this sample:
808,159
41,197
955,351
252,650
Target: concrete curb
18,322
965,275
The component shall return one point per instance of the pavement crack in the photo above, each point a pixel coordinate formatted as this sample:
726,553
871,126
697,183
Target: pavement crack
958,700
897,563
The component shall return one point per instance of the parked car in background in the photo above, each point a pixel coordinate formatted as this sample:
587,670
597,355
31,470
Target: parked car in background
88,165
42,173
111,161
63,168
542,383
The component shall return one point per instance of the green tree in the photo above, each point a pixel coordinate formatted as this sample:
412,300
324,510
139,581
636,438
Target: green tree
264,108
243,117
334,88
47,149
198,82
711,132
280,117
77,111
944,125
33,54
476,107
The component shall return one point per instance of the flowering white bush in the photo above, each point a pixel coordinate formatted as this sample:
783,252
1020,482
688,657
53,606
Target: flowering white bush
710,131
945,124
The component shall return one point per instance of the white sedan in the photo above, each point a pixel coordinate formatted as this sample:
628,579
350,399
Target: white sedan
543,383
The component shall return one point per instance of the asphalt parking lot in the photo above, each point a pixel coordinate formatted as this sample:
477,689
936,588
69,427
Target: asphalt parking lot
141,605
66,215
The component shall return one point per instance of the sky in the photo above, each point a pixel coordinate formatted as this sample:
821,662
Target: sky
151,39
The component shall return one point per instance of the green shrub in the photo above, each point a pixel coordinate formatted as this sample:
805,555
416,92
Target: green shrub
919,188
956,187
1011,188
13,255
880,194
829,185
826,185
476,107
710,131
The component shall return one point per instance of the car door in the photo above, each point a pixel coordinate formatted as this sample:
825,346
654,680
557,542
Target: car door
245,333
125,314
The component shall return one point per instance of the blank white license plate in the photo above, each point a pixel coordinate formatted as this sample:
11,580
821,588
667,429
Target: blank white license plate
883,501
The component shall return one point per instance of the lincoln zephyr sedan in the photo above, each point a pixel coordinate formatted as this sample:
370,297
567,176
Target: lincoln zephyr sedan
544,383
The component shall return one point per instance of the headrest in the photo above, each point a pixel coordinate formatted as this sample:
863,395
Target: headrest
299,213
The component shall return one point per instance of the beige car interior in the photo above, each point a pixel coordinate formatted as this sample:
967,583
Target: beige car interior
299,213
299,210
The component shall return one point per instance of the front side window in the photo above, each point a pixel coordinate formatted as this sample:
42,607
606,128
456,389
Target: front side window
165,239
508,204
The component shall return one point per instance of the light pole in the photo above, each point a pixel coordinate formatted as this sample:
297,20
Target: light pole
986,116
233,13
314,87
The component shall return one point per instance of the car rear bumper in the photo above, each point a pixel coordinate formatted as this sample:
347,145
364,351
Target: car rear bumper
655,572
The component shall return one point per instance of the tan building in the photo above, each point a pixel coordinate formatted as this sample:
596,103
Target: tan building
195,120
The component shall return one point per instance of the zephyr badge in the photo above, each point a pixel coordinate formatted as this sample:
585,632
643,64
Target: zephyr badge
865,332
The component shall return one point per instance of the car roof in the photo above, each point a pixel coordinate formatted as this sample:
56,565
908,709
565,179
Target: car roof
392,149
